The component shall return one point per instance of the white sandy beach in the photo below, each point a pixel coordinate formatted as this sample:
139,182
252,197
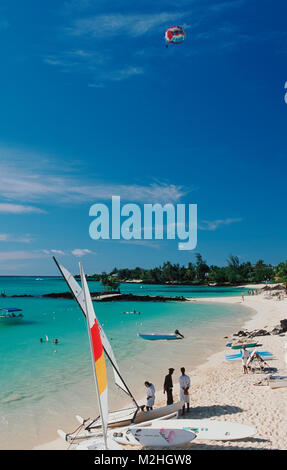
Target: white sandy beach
219,389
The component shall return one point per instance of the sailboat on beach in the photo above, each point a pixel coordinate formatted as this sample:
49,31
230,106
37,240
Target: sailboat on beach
104,440
125,416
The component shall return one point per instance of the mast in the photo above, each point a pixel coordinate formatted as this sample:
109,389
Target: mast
97,355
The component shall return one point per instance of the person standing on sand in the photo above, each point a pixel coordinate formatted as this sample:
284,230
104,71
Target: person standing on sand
184,384
244,357
167,387
150,395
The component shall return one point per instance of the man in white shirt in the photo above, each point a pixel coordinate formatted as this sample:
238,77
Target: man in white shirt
184,384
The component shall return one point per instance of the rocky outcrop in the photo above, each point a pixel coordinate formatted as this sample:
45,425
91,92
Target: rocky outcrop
141,298
111,297
276,287
259,333
279,329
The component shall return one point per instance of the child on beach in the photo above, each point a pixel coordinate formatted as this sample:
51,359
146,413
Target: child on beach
244,357
150,395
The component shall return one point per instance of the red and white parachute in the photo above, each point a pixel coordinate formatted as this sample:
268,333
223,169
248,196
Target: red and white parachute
175,35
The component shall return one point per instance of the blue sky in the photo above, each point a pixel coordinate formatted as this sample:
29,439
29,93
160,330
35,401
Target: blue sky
93,105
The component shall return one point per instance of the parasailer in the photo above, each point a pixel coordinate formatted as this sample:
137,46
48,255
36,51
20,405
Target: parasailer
174,35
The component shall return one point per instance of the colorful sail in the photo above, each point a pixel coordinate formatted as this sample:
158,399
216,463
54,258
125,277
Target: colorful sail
98,357
79,296
175,35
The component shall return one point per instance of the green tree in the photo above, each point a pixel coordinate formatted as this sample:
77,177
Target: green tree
262,272
201,268
110,283
217,274
233,270
281,273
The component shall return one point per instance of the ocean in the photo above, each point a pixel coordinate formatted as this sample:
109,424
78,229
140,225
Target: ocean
43,385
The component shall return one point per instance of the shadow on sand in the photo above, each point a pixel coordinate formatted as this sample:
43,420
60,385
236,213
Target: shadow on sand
197,446
206,412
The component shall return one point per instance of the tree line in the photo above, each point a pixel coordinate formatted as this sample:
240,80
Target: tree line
199,272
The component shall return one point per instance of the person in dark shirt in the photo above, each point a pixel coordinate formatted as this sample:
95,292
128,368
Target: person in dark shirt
167,387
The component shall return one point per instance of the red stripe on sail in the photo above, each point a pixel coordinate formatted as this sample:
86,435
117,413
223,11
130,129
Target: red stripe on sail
96,341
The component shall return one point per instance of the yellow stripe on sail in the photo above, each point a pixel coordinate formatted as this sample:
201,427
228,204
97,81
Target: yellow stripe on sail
101,373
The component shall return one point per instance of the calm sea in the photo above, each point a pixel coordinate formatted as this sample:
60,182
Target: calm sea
43,385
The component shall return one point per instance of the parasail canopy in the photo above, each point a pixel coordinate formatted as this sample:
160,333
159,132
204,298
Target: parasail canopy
175,35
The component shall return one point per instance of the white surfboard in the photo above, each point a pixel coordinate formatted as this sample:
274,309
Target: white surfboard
207,429
153,437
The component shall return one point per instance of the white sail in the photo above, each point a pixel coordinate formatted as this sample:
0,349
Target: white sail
78,293
98,359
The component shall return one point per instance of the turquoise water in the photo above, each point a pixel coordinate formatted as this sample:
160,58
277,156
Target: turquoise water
15,285
44,385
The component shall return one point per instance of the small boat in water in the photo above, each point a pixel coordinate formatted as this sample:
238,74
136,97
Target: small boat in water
134,312
9,316
157,336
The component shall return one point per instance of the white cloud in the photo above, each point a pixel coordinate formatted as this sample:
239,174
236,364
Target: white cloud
43,253
57,252
7,208
7,237
33,184
79,252
54,252
212,225
81,59
110,25
20,255
4,237
125,73
147,243
116,76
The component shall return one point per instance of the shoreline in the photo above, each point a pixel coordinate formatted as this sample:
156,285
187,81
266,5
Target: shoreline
115,295
105,297
220,390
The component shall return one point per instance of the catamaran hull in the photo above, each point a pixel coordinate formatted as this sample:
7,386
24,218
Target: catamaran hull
143,416
85,433
129,416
